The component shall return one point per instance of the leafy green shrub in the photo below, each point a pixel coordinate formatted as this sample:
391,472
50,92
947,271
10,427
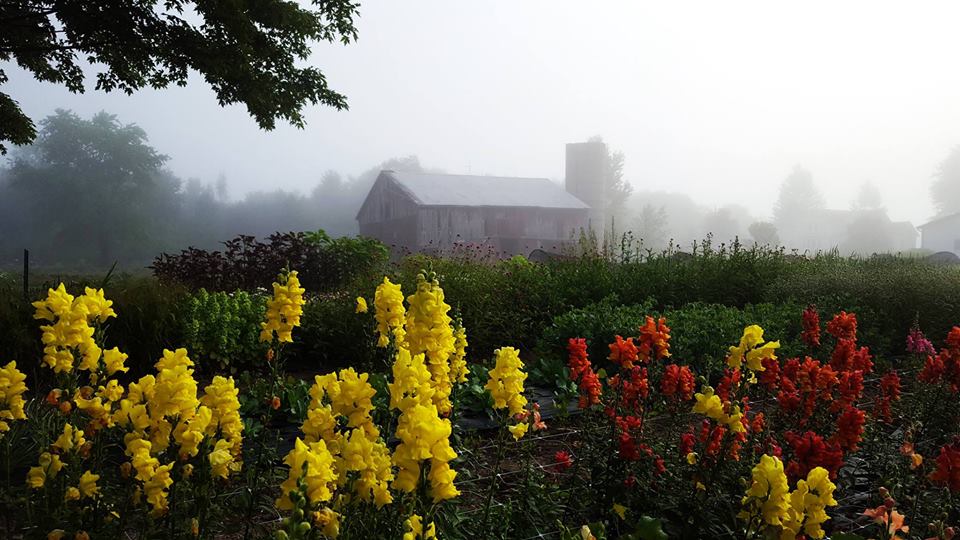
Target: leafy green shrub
221,330
887,293
333,336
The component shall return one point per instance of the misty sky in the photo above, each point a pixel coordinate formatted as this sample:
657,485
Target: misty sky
715,99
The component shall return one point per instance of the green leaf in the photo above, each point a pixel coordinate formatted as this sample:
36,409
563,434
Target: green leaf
649,528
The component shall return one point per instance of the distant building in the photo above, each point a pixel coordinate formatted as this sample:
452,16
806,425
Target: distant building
435,212
942,234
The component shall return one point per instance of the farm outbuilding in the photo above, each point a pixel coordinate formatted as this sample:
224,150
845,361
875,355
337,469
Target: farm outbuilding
434,212
941,234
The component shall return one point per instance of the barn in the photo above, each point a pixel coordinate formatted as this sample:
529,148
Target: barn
432,213
942,234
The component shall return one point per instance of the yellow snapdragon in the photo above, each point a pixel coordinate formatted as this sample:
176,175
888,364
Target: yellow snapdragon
284,309
389,312
12,387
752,349
506,381
429,331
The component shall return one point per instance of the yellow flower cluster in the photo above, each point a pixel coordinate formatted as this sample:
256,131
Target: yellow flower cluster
770,506
226,426
284,309
423,434
709,404
88,485
458,363
752,349
769,494
313,464
12,387
414,530
164,407
429,331
70,330
389,312
808,504
358,449
506,386
506,381
48,468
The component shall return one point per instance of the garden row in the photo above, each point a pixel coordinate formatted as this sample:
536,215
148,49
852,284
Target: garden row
709,296
829,439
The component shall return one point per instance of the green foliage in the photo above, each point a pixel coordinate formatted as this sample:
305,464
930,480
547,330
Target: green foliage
333,336
249,52
88,191
701,333
222,330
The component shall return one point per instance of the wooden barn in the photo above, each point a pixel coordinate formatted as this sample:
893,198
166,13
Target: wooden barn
434,212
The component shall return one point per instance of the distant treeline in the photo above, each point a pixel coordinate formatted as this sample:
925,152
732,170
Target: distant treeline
92,192
89,193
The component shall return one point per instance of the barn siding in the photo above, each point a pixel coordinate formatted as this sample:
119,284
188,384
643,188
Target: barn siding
389,215
509,229
392,215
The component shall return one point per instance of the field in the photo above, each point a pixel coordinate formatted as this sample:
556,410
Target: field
321,390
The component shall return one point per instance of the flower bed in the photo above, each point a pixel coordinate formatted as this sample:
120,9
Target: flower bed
832,442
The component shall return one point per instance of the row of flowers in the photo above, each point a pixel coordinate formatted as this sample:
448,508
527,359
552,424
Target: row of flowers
152,452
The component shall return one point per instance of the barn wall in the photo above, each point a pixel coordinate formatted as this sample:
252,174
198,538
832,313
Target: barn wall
511,230
389,215
944,235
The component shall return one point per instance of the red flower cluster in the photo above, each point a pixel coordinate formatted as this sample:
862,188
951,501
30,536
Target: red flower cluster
889,392
849,429
945,366
654,339
811,327
802,385
562,460
623,352
633,386
843,326
577,361
677,382
850,388
948,467
810,451
582,373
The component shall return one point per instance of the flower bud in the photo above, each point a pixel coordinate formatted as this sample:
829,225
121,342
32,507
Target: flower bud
65,407
889,503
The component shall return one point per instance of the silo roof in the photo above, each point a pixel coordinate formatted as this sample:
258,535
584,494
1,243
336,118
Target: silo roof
466,190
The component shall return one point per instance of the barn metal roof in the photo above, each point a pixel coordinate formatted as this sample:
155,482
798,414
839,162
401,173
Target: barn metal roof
464,190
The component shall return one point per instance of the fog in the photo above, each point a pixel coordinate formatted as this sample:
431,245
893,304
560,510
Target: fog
713,105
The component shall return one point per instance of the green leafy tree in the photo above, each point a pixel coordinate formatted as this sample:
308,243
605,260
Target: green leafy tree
617,188
92,191
868,197
946,185
798,196
249,51
651,225
764,233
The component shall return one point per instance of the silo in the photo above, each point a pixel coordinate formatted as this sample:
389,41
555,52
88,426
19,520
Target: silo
586,171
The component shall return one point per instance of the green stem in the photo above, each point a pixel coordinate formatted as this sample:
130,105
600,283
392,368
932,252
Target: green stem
496,476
